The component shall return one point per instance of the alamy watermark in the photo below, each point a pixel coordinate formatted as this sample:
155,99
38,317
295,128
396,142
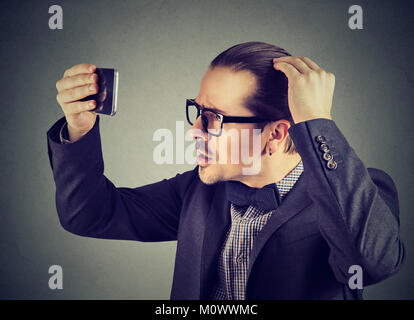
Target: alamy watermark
56,18
56,280
234,146
355,281
355,21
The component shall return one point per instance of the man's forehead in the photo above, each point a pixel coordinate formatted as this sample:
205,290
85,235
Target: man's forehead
224,90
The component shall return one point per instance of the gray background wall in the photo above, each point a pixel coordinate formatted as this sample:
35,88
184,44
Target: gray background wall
162,49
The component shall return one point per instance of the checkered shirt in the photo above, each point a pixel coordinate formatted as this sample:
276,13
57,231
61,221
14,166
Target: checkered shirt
246,223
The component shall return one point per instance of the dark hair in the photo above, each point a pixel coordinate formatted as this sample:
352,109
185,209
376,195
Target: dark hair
270,100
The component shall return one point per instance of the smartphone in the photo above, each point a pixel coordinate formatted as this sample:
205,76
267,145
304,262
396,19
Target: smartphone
107,94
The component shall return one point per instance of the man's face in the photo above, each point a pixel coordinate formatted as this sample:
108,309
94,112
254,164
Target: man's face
223,90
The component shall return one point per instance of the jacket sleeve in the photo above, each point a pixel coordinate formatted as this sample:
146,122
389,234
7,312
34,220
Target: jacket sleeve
357,207
88,203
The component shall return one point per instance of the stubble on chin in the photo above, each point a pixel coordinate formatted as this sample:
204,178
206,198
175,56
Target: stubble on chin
206,176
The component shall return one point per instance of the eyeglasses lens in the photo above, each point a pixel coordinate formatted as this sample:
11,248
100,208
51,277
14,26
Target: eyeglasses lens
211,121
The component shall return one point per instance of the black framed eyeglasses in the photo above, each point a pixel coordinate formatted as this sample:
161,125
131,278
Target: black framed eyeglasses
212,120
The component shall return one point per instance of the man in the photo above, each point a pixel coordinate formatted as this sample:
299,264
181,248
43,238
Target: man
297,228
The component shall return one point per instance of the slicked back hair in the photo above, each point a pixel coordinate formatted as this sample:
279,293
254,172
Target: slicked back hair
270,100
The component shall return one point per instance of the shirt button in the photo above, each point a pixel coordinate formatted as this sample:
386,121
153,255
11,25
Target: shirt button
320,139
324,147
239,259
331,164
327,156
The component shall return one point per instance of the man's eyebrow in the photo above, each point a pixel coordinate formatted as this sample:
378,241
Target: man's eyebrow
211,108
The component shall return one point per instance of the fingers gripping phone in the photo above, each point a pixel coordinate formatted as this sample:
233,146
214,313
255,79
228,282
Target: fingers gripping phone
107,91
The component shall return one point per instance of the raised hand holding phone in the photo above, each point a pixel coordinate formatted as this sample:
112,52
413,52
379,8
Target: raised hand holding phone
77,91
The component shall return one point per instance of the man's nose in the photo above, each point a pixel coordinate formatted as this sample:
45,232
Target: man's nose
197,130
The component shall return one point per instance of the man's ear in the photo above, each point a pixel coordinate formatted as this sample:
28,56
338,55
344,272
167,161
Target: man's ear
278,131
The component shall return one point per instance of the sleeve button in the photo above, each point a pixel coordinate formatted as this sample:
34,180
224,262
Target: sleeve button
320,139
324,147
331,164
327,156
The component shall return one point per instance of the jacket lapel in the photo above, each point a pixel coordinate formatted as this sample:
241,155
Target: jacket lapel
296,200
